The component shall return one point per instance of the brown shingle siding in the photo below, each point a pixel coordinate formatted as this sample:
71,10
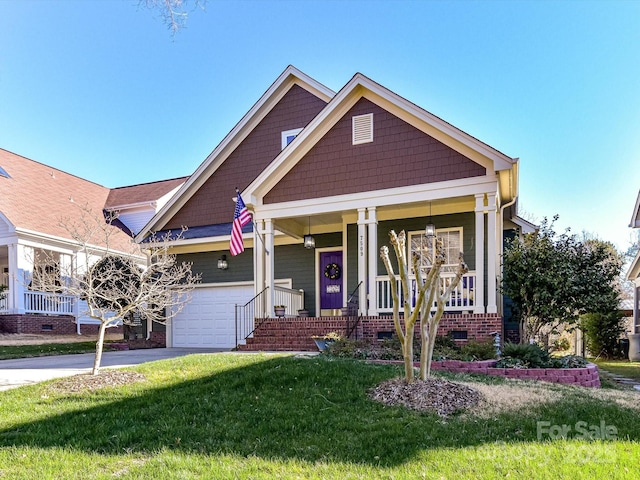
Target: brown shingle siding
400,155
211,204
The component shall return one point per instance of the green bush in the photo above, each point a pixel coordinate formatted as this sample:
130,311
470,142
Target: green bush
530,354
601,333
517,355
345,348
479,350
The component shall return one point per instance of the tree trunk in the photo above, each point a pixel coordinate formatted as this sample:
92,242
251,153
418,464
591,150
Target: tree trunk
99,345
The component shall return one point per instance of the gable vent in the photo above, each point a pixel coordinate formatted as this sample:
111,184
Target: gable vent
362,128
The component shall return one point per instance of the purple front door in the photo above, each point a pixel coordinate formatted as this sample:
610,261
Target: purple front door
330,280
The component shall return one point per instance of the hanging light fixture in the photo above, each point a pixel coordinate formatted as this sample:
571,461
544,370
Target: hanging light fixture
309,241
430,230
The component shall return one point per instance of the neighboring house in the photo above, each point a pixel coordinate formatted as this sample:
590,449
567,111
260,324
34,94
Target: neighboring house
343,168
34,198
634,275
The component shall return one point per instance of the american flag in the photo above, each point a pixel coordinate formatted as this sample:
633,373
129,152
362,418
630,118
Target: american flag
241,217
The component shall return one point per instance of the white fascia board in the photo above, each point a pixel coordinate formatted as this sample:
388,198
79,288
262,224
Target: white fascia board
377,198
500,160
635,218
132,206
634,268
526,226
291,76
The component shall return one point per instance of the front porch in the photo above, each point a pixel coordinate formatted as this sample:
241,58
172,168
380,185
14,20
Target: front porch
294,333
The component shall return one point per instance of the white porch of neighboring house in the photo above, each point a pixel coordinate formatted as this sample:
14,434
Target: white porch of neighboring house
476,294
21,295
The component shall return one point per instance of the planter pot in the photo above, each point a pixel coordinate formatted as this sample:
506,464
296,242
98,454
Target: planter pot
322,343
279,312
303,313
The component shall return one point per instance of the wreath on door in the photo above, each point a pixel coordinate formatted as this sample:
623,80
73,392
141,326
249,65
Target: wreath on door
332,271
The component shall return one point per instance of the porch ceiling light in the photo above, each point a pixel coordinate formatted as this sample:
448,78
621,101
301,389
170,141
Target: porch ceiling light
430,230
309,241
222,263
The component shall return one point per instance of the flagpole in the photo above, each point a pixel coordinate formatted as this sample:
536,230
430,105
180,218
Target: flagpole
255,228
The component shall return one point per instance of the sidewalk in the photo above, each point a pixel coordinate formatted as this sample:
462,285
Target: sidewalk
25,371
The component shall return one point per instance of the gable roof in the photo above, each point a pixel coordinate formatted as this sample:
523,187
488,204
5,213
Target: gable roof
289,78
359,87
35,197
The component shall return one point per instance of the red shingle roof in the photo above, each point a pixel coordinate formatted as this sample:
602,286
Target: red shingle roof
142,193
36,197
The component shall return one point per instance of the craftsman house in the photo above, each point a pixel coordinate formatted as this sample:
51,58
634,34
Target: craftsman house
326,176
34,199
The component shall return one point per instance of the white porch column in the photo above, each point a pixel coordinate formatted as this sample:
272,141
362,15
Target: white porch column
479,287
258,258
371,302
492,257
20,272
362,258
269,265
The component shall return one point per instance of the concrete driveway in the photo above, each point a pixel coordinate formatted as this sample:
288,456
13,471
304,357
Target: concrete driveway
24,371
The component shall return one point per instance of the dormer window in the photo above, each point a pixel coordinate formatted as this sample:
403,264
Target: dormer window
289,135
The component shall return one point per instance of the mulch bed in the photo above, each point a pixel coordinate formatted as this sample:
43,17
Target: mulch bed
106,378
433,395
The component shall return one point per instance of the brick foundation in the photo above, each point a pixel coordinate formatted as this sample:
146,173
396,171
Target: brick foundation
47,325
294,333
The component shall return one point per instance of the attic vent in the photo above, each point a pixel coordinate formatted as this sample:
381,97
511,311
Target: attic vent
4,173
362,128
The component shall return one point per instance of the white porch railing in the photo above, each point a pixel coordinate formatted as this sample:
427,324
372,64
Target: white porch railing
462,297
292,299
49,303
4,301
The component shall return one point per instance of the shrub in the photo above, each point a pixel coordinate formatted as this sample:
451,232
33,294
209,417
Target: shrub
601,333
346,348
530,354
479,350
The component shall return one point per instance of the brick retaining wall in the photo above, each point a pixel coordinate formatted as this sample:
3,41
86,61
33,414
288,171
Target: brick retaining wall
586,377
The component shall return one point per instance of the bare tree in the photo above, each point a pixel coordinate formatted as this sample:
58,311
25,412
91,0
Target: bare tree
172,12
115,282
430,289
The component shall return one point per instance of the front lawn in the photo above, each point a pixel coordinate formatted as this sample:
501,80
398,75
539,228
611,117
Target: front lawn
257,416
624,368
22,351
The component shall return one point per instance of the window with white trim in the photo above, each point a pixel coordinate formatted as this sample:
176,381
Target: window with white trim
362,128
423,247
289,135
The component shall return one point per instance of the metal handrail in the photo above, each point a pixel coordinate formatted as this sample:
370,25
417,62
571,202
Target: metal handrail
353,305
246,315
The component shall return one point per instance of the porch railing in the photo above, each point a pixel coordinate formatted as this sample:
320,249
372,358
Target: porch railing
256,308
49,303
4,301
462,297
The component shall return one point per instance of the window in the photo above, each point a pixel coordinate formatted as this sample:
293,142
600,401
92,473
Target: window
289,135
362,129
423,247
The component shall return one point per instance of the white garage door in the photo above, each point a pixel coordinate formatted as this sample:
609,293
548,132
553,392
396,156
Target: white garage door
208,320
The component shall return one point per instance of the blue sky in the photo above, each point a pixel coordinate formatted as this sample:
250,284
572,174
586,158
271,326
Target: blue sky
102,90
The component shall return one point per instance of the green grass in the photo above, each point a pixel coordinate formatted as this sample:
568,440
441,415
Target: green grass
624,368
257,416
22,351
